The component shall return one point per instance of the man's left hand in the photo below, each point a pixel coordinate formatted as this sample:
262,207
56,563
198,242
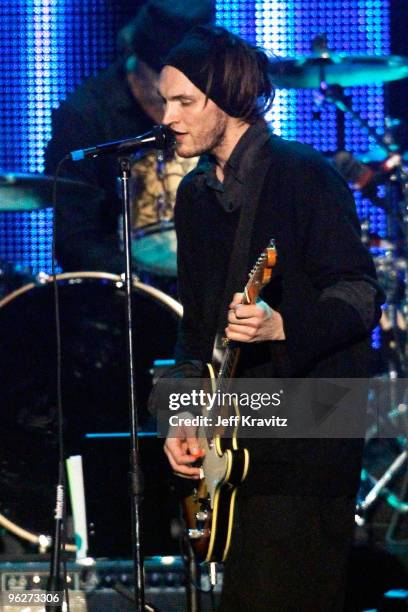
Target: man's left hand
253,322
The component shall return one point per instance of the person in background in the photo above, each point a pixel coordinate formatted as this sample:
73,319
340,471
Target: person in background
120,102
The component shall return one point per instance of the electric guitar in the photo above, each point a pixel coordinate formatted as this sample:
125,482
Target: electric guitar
209,508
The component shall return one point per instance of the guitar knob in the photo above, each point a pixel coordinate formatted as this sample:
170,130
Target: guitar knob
202,515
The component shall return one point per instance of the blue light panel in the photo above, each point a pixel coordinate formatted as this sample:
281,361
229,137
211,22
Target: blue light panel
48,47
286,29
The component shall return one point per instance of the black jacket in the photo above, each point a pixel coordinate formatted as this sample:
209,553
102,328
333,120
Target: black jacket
324,286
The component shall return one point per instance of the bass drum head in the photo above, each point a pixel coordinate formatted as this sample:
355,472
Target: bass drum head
94,377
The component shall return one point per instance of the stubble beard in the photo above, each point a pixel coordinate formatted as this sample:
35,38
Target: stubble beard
210,142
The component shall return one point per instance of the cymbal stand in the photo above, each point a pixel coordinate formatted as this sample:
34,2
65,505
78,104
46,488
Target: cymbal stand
398,222
397,193
398,214
381,483
334,94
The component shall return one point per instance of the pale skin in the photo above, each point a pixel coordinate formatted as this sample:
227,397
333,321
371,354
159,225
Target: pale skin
200,126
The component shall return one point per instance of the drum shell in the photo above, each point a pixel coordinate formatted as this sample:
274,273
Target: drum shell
94,381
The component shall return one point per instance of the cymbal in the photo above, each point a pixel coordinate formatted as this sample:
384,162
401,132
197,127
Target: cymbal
337,69
25,192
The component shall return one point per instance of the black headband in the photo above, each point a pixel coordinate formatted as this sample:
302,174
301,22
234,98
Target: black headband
191,57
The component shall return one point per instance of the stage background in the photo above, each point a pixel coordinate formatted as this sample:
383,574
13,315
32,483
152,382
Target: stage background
49,46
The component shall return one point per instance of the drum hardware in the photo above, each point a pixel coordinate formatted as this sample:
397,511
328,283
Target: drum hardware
386,452
381,483
329,73
400,509
332,68
92,322
28,192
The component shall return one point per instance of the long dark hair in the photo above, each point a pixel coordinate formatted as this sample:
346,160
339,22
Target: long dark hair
245,80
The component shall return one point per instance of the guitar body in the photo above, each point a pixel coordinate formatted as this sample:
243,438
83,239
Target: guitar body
209,507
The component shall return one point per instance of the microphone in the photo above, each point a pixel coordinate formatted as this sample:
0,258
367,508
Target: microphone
160,137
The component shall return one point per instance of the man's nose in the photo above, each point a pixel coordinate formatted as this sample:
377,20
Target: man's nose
169,116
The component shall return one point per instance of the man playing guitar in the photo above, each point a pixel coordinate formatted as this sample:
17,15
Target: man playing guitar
294,515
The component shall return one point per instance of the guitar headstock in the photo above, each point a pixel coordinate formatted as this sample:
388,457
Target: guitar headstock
261,273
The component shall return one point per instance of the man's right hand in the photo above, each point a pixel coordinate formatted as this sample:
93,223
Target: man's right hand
183,448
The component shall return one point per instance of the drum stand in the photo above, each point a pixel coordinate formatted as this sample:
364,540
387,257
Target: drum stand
397,209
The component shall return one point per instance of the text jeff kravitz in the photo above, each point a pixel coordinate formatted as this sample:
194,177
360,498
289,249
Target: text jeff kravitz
230,421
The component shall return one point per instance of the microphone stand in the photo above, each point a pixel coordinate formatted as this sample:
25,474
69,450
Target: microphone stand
159,138
135,473
55,583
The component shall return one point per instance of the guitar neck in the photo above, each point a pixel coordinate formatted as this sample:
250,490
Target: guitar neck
258,278
232,353
228,366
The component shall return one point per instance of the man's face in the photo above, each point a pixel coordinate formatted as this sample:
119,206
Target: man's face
199,124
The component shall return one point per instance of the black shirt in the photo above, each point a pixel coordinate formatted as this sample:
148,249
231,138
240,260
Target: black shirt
324,286
231,191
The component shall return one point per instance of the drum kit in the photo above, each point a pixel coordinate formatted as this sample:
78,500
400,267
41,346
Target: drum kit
381,176
92,302
95,364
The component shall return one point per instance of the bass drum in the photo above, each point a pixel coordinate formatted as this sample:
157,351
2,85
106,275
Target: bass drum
94,377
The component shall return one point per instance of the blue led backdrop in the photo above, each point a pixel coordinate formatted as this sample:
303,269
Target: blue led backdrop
49,46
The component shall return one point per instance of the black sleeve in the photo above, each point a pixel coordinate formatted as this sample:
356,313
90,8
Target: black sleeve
72,130
345,302
191,340
86,230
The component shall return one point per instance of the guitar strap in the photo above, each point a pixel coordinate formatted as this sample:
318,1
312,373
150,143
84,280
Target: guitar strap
238,263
